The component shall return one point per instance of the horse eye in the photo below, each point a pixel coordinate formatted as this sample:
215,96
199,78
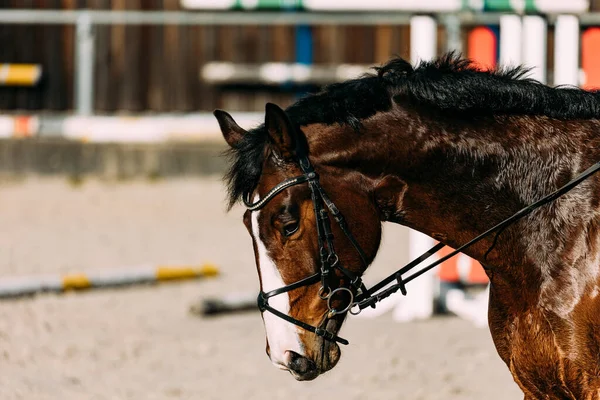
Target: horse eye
290,228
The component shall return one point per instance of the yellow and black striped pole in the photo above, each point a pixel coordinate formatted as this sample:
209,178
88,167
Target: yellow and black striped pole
20,74
13,287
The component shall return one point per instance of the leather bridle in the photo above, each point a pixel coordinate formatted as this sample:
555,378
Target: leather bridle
329,259
360,296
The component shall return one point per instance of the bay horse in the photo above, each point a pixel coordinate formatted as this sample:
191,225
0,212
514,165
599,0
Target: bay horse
451,151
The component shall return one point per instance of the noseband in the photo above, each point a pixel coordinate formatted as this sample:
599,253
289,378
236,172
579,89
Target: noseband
360,296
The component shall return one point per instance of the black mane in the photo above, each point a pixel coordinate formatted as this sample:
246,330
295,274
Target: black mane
449,84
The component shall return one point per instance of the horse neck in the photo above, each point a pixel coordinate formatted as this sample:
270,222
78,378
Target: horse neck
460,178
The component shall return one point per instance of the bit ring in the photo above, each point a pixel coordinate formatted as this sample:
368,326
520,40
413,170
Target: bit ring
333,311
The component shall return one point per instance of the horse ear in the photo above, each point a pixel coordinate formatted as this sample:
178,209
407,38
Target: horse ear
232,132
281,131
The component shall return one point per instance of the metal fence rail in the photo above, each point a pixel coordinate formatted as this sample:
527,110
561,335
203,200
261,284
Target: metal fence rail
236,18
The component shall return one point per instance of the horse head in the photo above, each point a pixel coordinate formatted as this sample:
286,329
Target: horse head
299,241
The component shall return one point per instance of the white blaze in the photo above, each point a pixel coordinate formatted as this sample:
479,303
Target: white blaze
281,335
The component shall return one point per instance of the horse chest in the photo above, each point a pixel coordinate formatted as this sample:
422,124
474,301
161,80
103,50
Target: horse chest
546,359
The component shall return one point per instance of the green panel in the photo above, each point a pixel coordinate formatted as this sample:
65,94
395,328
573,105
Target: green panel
392,5
268,4
498,5
533,6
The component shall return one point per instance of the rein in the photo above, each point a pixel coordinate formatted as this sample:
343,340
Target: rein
360,296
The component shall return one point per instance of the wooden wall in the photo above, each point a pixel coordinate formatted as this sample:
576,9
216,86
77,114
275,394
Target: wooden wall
156,68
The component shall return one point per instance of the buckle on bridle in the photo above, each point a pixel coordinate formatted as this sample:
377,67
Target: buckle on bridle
333,259
356,282
324,333
401,284
261,301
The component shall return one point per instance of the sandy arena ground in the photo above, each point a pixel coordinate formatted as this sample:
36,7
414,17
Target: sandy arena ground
142,343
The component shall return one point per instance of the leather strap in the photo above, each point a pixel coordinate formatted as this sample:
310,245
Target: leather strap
263,305
367,301
329,259
273,192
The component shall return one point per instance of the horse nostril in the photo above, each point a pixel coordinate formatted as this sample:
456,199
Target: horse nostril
300,364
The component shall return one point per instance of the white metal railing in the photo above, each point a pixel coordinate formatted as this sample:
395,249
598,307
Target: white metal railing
102,17
153,128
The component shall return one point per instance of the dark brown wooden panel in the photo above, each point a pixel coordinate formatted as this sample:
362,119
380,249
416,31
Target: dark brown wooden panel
156,68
